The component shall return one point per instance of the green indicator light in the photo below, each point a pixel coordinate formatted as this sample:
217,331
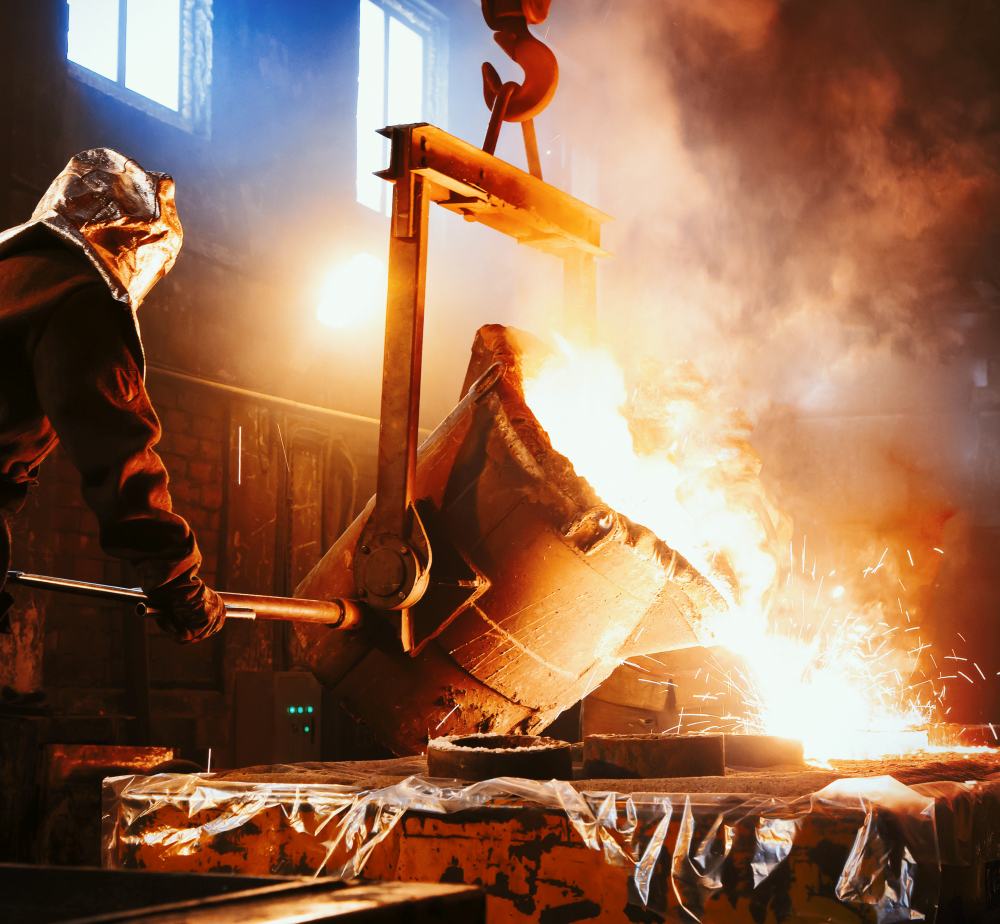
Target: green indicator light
299,709
306,729
309,709
291,709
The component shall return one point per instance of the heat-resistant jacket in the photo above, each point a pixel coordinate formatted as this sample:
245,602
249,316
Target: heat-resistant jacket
71,372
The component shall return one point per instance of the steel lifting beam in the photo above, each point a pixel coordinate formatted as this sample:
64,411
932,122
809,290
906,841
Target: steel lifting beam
393,560
392,563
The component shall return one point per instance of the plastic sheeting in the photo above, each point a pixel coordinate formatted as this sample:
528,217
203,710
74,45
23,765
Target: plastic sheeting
876,844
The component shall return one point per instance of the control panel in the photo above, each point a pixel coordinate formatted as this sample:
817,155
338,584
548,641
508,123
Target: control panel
277,717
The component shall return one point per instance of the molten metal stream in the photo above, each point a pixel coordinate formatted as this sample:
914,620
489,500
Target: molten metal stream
826,659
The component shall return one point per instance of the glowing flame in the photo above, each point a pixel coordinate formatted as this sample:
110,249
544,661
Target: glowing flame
685,493
818,665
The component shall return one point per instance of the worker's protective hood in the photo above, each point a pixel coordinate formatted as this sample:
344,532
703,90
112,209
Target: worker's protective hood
122,217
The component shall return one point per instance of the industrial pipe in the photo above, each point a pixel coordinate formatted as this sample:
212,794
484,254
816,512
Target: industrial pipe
337,613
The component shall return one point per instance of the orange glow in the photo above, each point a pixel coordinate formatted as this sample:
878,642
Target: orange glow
353,292
821,662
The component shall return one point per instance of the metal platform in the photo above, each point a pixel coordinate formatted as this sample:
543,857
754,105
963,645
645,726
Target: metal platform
80,895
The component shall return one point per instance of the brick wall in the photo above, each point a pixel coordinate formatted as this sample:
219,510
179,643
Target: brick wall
194,449
99,659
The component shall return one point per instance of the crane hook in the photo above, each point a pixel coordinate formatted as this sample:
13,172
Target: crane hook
509,20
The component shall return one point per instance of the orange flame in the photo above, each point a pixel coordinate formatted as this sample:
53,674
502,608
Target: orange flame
669,456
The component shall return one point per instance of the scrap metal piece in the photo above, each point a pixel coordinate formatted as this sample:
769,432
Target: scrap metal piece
653,756
486,757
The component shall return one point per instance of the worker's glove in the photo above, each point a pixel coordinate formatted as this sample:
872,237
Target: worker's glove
188,609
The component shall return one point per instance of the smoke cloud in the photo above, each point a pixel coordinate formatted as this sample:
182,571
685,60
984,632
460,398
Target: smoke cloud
798,185
807,204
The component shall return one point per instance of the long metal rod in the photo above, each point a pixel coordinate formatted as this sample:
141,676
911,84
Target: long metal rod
338,614
404,329
500,105
531,148
240,392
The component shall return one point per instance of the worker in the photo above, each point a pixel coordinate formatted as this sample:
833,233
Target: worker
72,366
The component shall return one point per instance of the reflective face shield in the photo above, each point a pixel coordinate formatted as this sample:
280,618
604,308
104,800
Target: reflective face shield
121,216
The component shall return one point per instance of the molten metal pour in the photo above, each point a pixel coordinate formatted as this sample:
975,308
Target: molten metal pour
536,591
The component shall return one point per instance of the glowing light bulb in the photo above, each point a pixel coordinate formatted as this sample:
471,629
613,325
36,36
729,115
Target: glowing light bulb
352,292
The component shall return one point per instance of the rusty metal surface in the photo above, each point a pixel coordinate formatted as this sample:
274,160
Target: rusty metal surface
510,23
483,188
485,757
390,571
861,850
68,762
571,584
426,164
653,756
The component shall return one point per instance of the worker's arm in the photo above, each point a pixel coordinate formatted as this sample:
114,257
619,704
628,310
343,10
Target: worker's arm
90,387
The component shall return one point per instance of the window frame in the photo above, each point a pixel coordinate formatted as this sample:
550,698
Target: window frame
193,113
432,25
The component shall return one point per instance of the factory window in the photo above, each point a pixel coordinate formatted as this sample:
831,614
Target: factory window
153,54
401,60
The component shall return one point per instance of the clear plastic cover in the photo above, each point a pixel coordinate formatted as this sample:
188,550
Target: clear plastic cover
876,846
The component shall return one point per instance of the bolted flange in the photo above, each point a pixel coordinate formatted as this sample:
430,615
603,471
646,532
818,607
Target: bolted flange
390,574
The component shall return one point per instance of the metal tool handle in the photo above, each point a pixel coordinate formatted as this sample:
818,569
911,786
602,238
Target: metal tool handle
339,614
